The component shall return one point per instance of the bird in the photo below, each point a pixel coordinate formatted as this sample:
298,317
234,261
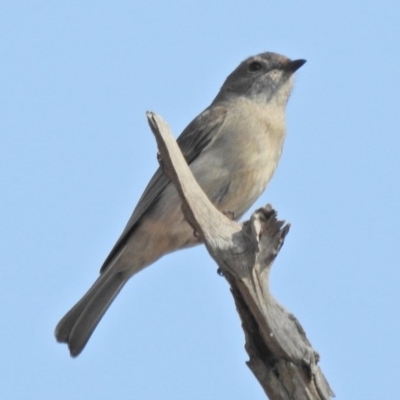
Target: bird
232,148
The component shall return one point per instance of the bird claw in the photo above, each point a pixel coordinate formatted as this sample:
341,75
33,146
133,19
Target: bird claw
196,234
160,161
229,214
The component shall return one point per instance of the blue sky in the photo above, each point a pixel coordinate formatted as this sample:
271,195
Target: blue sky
76,153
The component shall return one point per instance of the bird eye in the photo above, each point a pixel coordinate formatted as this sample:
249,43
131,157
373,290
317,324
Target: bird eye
255,66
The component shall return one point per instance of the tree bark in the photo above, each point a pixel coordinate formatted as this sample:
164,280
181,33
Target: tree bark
281,357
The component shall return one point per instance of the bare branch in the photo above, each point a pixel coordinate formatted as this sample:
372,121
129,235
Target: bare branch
281,357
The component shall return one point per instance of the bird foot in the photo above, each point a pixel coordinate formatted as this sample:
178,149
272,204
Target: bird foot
196,234
229,214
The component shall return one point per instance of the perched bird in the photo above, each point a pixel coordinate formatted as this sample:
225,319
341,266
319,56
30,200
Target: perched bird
232,147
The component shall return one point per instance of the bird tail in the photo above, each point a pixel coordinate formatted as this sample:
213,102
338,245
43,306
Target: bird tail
76,327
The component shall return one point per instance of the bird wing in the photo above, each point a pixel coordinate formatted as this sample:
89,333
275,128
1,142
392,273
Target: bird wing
194,139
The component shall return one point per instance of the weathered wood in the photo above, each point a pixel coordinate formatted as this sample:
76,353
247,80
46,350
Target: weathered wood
281,357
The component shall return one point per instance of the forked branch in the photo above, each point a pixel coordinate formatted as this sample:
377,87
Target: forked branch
281,357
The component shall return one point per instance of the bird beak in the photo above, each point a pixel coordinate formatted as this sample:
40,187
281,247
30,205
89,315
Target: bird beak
293,66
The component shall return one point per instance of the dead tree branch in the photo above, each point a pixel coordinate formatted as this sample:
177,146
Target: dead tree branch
281,357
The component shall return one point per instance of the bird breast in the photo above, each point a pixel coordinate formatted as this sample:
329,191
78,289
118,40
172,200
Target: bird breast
237,166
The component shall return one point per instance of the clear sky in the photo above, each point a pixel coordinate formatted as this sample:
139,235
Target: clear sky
76,79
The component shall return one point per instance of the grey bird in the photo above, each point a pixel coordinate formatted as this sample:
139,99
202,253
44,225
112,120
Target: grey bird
233,148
